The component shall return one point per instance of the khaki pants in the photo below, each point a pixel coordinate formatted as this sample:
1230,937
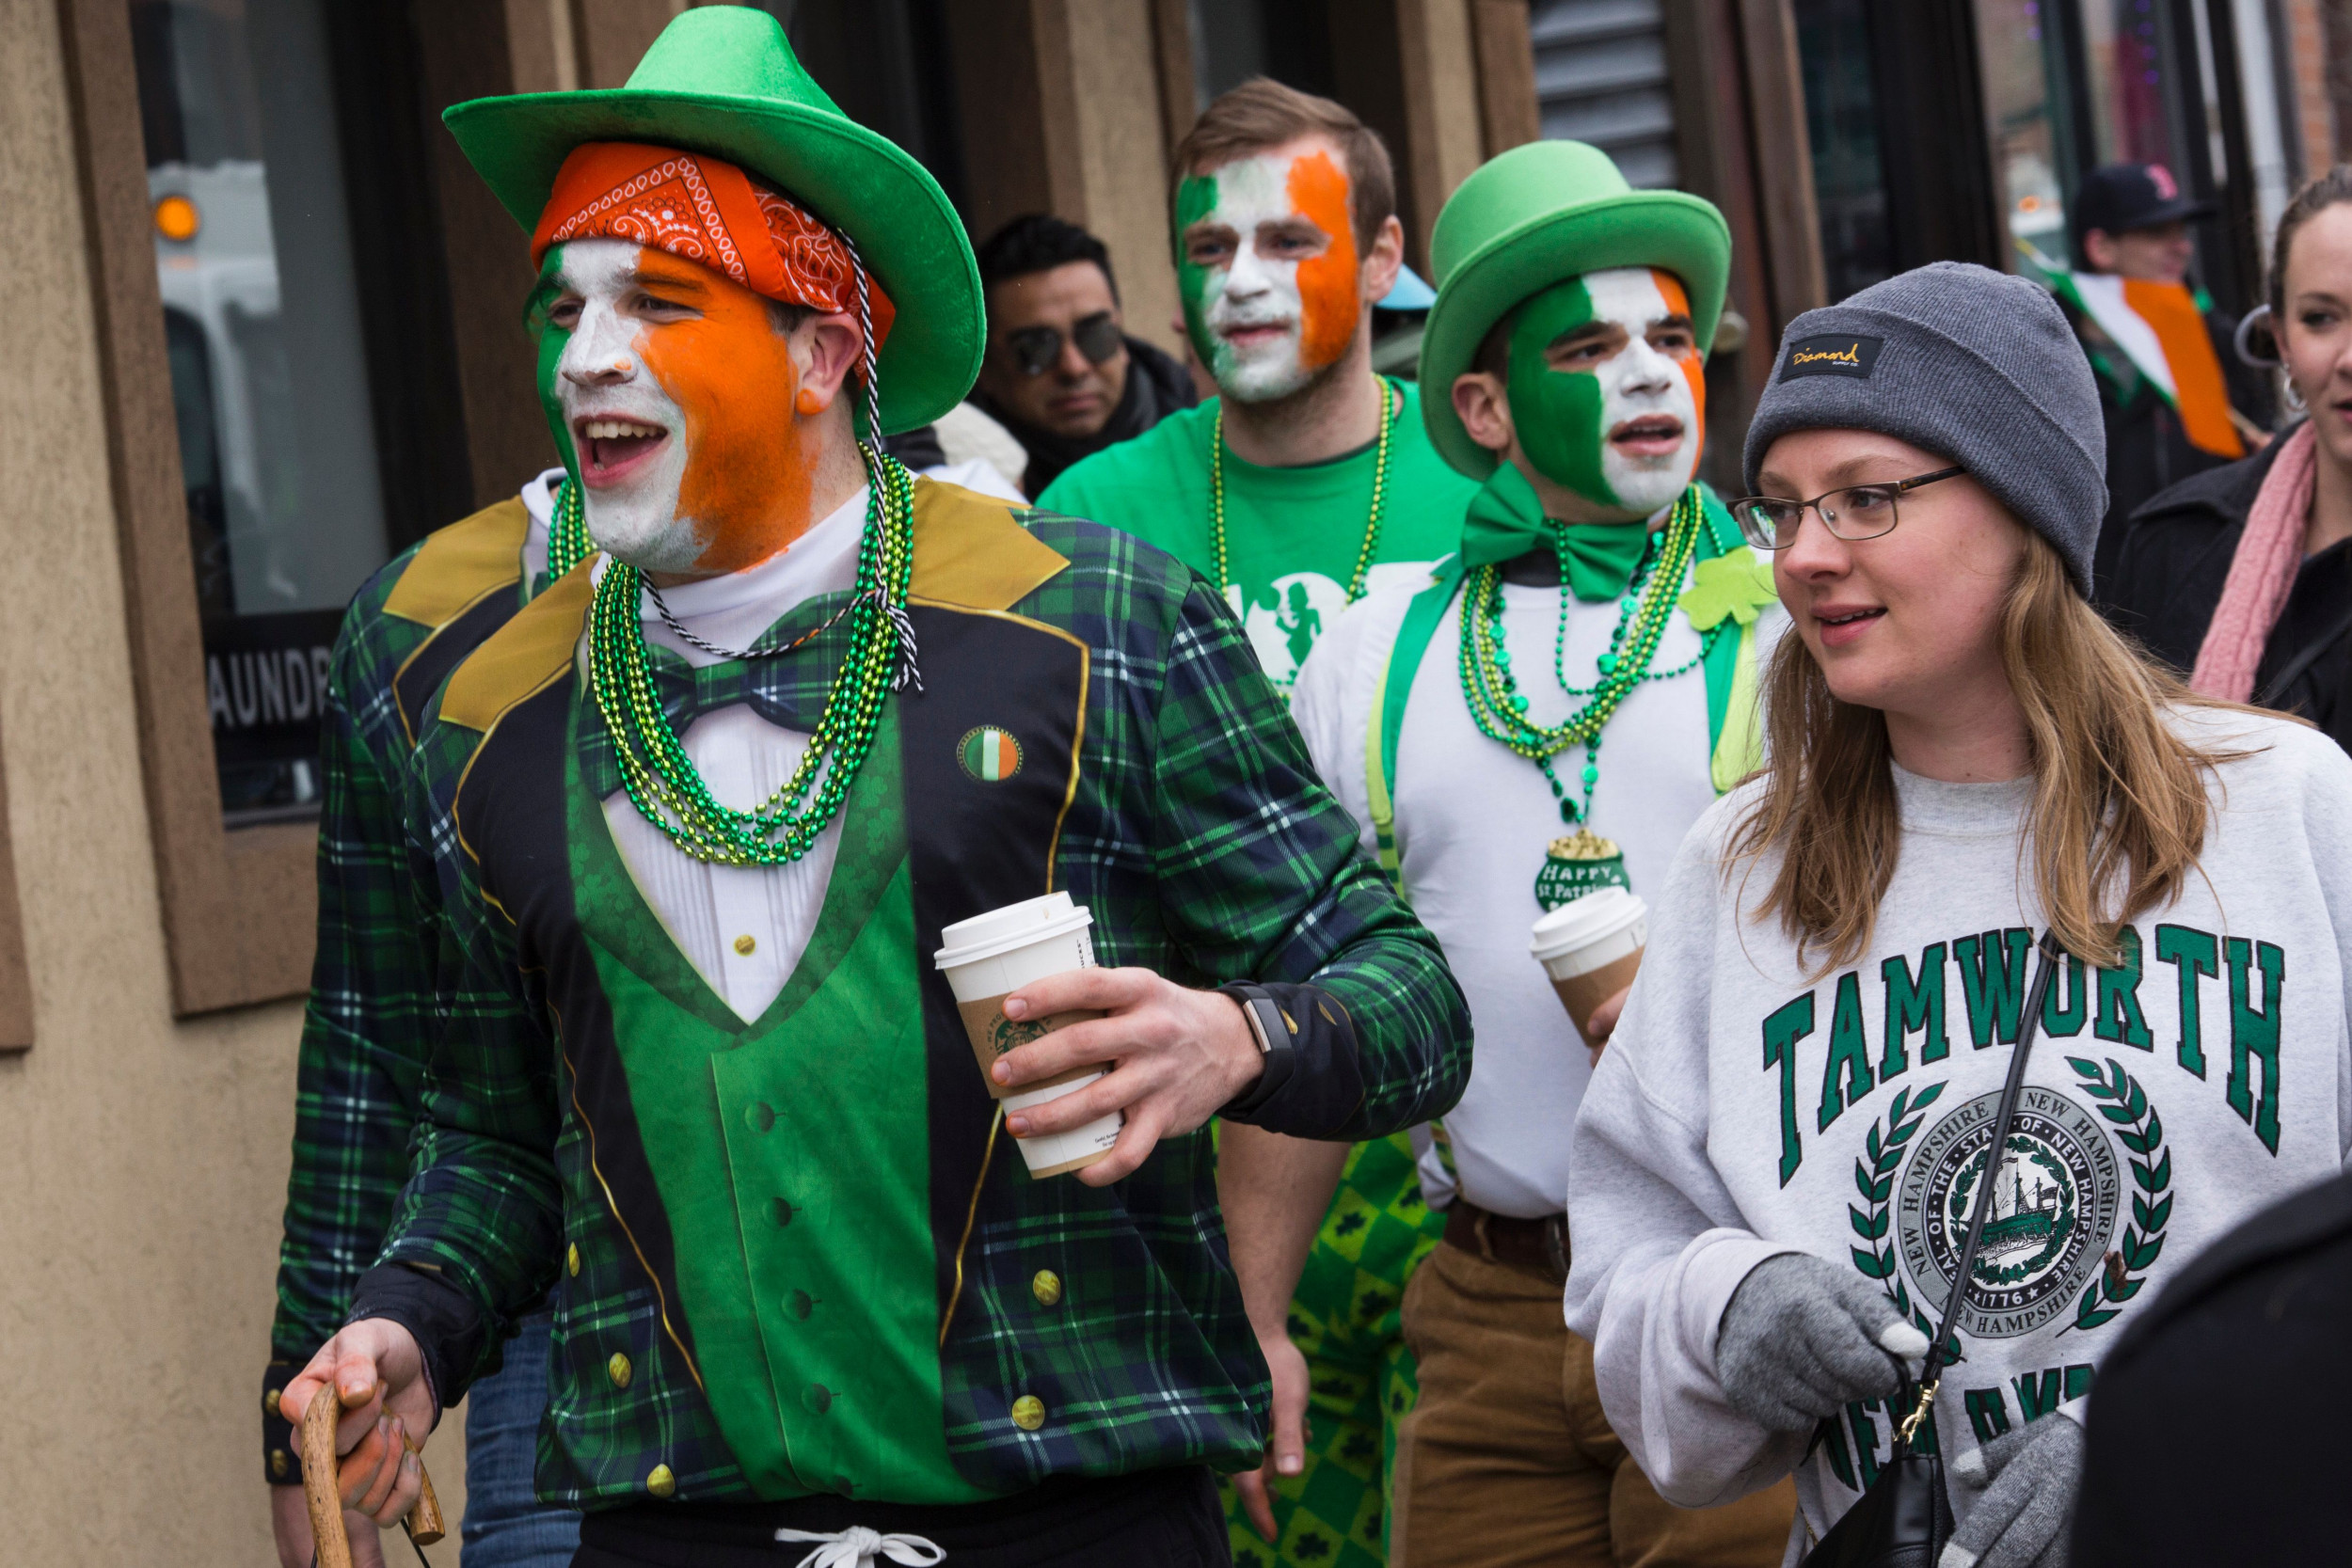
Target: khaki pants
1507,1459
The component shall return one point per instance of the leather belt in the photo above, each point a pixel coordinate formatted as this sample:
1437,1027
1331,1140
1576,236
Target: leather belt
1538,1246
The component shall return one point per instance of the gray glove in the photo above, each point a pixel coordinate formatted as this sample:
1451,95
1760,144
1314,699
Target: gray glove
1803,1337
2020,1522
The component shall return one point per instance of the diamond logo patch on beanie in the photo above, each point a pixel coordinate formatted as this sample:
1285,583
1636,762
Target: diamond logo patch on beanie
1843,355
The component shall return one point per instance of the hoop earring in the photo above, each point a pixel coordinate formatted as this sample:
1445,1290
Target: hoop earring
2242,338
2292,396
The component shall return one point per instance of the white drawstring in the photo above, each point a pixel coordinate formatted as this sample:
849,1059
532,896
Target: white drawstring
857,1548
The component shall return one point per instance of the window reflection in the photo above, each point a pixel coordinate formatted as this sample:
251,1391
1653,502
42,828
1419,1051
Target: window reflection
2129,53
262,324
2019,43
1841,123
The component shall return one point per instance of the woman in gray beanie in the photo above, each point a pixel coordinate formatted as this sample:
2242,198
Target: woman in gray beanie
1781,1149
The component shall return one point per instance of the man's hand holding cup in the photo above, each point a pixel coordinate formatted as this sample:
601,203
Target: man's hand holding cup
1092,1067
1182,1055
379,1373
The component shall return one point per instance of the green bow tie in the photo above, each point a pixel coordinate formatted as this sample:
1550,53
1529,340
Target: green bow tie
1507,520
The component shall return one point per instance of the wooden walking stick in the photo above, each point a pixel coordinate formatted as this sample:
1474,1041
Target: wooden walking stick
331,1542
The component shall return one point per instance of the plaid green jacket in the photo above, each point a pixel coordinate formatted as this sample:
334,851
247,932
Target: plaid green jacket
1167,791
365,1031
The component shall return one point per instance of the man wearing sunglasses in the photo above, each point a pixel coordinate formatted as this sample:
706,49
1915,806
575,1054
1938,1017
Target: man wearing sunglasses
1061,373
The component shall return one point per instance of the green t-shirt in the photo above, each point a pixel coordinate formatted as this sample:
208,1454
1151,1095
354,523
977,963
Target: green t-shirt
1291,535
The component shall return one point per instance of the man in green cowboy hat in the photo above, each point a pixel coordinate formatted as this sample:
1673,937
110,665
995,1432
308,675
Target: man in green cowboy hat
1542,719
1304,484
689,832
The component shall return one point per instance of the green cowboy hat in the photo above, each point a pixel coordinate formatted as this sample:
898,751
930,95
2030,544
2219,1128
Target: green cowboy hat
723,80
1525,220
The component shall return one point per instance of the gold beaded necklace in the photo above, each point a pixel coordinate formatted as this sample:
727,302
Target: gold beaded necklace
568,544
1392,400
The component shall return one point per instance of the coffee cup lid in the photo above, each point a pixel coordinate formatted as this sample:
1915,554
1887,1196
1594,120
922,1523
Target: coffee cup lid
1580,921
1001,930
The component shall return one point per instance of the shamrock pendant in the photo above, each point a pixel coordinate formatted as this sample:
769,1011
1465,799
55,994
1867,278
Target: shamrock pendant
1581,862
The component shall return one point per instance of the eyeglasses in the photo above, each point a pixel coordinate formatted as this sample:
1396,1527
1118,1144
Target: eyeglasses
1035,348
1857,512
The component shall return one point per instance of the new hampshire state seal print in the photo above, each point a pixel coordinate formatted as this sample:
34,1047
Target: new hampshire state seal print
2056,1192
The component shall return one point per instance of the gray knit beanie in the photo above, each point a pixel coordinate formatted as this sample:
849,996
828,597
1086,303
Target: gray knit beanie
1969,363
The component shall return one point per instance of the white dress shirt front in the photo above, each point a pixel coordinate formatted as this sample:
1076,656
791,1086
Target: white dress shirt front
743,927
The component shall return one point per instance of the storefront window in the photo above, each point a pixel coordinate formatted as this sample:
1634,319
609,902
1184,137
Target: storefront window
254,256
1235,39
2021,55
2137,85
2073,84
1841,118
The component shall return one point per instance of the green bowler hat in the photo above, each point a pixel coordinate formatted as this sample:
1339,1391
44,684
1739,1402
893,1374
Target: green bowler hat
1531,217
723,80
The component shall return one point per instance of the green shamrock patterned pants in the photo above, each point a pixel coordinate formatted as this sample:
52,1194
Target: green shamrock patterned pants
1347,1318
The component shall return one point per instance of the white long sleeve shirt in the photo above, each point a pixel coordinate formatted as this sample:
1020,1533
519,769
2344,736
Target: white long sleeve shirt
1472,821
1745,1109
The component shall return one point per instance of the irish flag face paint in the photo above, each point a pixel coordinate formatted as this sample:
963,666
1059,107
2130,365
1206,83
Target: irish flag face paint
1607,387
673,393
1268,263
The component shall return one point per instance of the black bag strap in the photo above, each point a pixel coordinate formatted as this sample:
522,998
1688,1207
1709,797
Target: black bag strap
2305,657
1931,1376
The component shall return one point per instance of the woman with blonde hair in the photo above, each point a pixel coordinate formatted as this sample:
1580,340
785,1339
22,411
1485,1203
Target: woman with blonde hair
1783,1157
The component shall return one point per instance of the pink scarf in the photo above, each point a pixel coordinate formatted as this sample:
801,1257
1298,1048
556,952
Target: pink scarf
2261,572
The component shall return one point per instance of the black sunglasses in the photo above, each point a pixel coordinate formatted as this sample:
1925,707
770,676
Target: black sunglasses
1035,348
1854,513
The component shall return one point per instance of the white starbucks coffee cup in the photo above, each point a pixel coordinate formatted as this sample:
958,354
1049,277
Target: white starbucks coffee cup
991,955
1591,947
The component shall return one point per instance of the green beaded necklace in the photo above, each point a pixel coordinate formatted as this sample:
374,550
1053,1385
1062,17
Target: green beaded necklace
1582,861
568,544
1392,400
662,781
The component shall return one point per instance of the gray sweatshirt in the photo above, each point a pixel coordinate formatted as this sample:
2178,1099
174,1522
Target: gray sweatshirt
1742,1111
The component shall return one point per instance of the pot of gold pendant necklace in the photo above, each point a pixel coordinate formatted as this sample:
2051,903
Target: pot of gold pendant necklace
1580,860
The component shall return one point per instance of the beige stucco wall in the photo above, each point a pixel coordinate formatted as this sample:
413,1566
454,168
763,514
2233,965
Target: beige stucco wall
142,1162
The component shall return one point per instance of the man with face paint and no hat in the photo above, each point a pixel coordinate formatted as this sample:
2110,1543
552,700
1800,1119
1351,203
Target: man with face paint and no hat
686,834
1305,482
1541,720
1307,479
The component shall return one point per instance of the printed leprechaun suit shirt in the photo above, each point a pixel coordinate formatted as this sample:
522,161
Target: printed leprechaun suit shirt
791,1252
1749,1105
364,1032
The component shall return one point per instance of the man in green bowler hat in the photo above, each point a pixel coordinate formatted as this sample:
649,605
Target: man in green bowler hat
1305,484
688,833
1539,719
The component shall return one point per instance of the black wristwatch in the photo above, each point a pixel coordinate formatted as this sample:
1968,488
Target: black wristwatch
1277,1037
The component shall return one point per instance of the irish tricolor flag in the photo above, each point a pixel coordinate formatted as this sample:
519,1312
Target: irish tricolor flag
2159,328
988,754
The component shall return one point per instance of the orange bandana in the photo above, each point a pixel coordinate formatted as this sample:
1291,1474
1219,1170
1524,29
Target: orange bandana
705,211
